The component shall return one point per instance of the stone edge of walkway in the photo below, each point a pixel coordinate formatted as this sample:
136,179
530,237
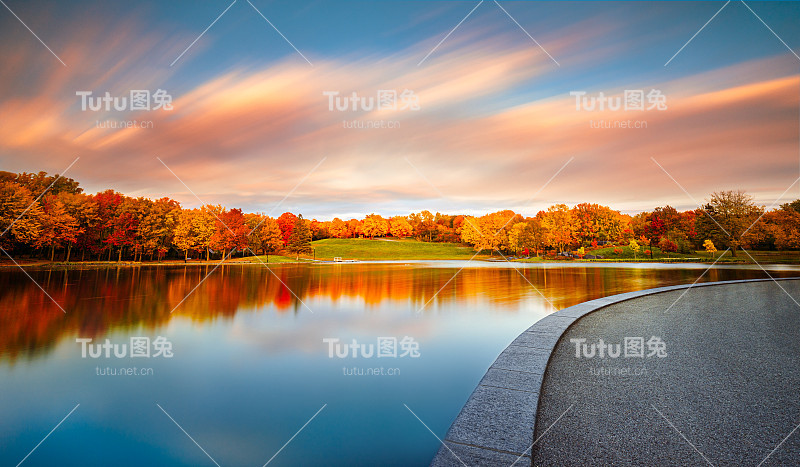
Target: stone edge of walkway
496,424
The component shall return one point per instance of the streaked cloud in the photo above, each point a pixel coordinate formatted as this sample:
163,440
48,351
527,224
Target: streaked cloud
484,136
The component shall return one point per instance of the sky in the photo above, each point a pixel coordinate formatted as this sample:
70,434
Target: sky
489,120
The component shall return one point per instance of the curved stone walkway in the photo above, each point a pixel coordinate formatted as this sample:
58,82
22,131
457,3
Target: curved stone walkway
726,393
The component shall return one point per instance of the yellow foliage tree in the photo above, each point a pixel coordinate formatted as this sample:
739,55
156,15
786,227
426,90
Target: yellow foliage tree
634,246
709,246
560,225
400,227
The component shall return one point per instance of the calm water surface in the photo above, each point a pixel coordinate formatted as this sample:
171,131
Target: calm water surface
250,367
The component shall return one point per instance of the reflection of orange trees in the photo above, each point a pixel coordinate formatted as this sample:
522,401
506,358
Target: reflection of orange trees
139,300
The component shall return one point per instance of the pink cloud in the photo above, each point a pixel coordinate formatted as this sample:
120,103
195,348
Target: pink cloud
248,136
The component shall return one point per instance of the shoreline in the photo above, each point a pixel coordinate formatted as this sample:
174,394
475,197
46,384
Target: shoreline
244,262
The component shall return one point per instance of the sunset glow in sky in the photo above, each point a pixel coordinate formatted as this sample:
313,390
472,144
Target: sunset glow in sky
495,122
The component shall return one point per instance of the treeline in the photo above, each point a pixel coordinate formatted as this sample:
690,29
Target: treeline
110,225
729,220
66,223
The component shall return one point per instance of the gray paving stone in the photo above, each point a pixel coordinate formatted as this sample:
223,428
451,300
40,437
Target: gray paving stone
519,358
538,340
552,323
576,311
500,419
475,456
519,380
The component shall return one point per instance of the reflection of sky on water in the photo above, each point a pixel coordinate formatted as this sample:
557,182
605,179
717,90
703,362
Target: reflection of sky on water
250,367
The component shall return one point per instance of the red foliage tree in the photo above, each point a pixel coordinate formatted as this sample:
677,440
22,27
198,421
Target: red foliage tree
286,223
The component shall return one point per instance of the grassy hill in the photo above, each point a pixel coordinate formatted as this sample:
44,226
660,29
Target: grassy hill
389,249
409,249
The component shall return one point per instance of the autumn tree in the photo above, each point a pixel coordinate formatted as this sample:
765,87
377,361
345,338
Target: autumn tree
204,228
354,227
58,227
793,206
400,227
108,203
518,238
471,233
374,226
266,236
728,217
489,232
634,246
122,226
157,226
84,210
424,225
230,232
194,230
560,225
593,222
184,235
526,235
39,182
779,229
338,228
19,216
286,222
319,230
709,247
300,239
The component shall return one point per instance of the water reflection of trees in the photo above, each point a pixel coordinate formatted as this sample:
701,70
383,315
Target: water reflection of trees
98,301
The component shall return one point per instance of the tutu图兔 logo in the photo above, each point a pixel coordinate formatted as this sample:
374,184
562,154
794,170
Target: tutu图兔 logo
387,347
386,99
139,347
633,347
632,99
139,99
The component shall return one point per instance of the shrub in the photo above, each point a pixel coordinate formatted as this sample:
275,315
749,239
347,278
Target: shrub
648,252
667,246
617,251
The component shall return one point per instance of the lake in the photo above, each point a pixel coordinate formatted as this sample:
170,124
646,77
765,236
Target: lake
251,360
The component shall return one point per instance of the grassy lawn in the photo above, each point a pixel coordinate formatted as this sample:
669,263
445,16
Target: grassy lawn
410,249
389,249
658,255
271,259
763,257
